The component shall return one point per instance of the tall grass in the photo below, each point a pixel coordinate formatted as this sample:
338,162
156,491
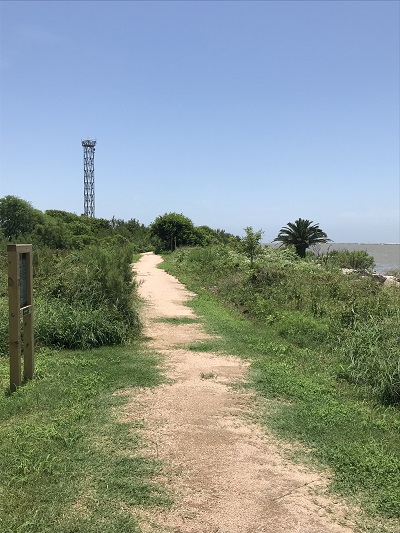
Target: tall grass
65,325
83,298
353,318
370,353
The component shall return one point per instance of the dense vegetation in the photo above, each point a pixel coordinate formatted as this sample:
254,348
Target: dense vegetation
83,298
20,222
85,295
312,306
84,292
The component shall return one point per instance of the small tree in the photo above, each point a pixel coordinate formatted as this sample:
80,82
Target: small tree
251,243
173,230
17,217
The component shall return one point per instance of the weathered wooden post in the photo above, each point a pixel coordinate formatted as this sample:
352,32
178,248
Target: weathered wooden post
20,302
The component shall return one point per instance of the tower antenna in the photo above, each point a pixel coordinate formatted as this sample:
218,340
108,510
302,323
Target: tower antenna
88,176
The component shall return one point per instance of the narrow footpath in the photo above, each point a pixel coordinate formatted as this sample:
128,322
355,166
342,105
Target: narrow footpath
227,474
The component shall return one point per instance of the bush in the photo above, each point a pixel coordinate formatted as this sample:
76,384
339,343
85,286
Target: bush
357,260
82,298
172,230
93,276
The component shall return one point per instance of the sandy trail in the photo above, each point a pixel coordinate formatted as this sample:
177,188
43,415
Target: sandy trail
227,474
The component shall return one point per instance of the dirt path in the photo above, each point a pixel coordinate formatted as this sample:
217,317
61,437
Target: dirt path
228,475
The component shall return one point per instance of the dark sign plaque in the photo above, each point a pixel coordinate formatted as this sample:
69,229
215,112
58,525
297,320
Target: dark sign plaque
23,281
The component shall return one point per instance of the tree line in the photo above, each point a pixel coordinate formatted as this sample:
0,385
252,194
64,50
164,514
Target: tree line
63,230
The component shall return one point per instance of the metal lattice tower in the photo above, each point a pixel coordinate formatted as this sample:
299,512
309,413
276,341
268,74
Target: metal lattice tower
88,179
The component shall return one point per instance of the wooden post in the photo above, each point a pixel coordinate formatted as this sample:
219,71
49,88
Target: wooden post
13,317
20,300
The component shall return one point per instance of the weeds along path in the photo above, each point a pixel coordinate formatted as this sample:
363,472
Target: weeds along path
226,473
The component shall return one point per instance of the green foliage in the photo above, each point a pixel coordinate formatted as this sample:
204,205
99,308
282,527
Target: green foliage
301,234
206,236
134,232
63,325
309,305
83,299
250,243
61,230
83,287
370,348
301,330
63,216
65,231
87,297
217,259
84,293
172,230
17,217
95,275
54,233
357,259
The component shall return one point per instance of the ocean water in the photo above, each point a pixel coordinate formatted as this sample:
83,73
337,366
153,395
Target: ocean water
387,256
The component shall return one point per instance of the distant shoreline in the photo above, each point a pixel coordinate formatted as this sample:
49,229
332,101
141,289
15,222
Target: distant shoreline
386,255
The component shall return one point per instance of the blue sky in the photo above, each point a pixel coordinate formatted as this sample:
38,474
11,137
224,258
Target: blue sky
233,113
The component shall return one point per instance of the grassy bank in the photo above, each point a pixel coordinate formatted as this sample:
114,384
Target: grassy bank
305,331
83,298
67,463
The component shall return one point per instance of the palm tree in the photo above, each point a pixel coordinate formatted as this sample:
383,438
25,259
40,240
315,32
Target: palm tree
302,234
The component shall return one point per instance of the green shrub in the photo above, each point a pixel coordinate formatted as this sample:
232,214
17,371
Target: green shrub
357,259
62,325
82,298
94,276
